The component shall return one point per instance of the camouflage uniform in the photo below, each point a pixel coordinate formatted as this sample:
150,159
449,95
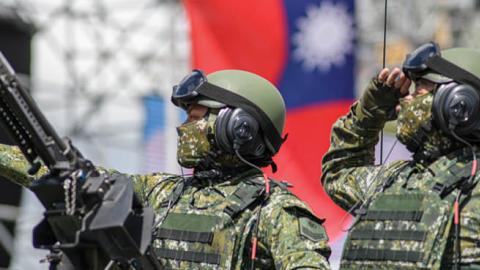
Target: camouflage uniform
289,236
354,182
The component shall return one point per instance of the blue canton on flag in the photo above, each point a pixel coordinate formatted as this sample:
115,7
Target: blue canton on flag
154,133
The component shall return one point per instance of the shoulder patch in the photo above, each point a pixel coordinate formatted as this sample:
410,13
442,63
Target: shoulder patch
312,229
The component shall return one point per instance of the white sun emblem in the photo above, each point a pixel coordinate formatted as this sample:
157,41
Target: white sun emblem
324,37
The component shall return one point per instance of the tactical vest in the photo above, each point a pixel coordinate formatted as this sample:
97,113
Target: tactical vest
209,238
407,225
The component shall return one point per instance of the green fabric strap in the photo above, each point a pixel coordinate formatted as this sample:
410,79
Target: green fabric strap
190,222
393,215
190,256
471,266
179,235
373,234
370,254
188,227
396,202
242,198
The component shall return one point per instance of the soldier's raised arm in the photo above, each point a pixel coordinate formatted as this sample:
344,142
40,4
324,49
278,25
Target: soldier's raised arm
14,166
348,167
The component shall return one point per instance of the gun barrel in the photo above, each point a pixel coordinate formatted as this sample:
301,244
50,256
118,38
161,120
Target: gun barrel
23,120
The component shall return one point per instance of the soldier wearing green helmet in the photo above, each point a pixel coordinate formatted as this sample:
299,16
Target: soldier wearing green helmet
420,213
227,215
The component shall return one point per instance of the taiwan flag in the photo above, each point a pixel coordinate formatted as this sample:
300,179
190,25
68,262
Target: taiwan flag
154,133
306,48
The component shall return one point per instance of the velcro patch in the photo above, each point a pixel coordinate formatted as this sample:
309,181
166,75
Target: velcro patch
311,229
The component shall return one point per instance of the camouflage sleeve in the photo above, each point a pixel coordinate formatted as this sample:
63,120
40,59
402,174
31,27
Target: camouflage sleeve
294,237
154,188
14,166
347,167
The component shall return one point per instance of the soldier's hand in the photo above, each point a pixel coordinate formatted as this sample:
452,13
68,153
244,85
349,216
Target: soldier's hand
395,80
379,101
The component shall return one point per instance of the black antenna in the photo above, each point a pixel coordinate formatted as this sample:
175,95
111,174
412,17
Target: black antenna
383,66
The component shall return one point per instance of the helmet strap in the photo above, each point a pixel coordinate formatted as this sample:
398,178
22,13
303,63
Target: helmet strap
449,69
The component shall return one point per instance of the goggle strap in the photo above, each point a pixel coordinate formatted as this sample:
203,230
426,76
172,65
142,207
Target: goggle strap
444,67
222,95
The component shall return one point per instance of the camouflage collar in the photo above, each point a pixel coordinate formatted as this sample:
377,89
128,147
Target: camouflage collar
242,175
229,177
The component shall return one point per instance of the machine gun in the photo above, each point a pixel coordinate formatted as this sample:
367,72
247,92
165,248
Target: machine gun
92,220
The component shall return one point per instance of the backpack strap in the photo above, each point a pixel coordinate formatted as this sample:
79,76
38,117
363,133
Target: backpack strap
460,173
176,193
243,197
284,185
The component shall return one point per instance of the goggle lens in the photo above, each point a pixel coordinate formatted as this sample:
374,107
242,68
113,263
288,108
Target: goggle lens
415,64
185,90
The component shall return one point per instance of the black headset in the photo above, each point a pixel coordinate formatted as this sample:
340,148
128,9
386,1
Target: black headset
235,129
456,105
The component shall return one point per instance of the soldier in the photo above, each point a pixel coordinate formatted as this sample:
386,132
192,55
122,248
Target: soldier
423,213
227,215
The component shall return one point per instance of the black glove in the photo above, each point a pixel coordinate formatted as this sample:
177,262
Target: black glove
377,105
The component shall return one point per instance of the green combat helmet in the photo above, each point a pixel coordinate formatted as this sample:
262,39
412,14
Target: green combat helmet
237,89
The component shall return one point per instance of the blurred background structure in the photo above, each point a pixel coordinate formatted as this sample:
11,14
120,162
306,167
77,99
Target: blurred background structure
102,72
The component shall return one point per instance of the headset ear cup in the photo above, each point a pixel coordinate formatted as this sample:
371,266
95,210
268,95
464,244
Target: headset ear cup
221,136
464,109
439,117
237,128
242,128
456,107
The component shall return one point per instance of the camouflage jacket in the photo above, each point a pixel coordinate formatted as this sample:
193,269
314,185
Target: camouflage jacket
350,177
289,236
